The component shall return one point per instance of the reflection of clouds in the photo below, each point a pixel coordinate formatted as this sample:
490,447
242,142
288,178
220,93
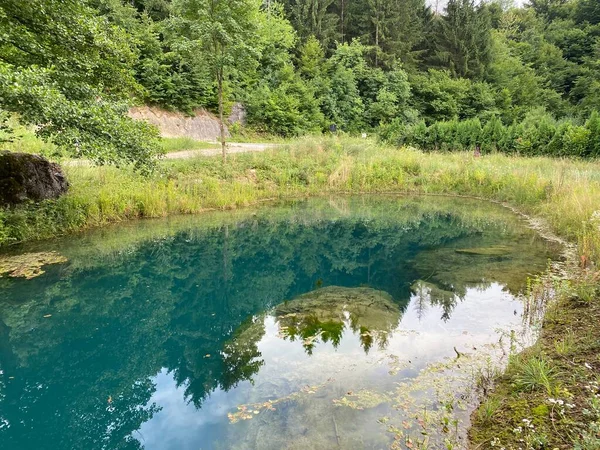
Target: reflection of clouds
480,314
179,425
419,338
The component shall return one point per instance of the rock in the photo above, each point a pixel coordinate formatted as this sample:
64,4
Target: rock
26,177
326,312
238,114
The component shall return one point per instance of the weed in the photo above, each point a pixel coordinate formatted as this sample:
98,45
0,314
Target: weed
534,373
487,409
566,345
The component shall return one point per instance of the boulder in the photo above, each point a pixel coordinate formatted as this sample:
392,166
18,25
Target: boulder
26,177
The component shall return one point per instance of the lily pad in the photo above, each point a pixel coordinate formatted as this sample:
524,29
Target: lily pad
28,265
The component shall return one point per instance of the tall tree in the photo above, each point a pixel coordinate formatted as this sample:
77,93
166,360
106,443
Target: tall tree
314,18
224,30
463,39
391,28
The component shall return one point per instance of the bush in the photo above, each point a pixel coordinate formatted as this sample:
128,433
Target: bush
538,134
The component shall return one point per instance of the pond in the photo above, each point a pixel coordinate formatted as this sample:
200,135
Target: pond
350,322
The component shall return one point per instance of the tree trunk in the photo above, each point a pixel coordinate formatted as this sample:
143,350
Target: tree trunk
377,41
221,107
343,23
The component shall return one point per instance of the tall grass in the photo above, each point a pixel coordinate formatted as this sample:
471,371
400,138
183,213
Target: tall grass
565,192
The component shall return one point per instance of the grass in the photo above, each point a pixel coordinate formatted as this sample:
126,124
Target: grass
534,373
487,409
251,136
24,140
528,408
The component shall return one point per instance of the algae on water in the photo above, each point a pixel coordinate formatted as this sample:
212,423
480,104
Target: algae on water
28,265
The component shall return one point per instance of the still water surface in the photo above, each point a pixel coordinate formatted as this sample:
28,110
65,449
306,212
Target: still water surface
322,324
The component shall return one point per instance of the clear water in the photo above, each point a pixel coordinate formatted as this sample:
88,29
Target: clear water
326,323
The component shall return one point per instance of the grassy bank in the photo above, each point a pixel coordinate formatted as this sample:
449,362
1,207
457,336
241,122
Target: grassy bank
563,365
549,397
565,192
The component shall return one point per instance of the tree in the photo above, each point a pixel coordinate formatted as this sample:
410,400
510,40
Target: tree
392,28
68,71
588,11
462,39
224,31
314,18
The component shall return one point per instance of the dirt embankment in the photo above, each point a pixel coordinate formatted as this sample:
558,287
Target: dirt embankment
202,126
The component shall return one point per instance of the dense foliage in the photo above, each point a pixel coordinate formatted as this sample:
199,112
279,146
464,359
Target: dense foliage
301,65
65,69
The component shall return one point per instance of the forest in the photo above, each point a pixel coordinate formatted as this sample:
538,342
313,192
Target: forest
522,80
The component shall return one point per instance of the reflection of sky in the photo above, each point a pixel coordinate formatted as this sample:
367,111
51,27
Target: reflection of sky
474,321
179,425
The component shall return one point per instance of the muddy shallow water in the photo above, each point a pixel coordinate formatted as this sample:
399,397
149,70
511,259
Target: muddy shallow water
358,322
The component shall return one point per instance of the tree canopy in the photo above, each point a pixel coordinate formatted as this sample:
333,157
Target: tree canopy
73,67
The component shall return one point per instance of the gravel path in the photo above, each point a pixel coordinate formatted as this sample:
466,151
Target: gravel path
187,154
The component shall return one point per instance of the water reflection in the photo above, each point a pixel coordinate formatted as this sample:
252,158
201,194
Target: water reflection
156,325
324,315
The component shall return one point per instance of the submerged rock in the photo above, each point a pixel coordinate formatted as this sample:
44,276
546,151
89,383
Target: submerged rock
367,307
484,251
324,314
26,177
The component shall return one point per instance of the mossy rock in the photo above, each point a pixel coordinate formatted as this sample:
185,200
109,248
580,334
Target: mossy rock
25,177
364,307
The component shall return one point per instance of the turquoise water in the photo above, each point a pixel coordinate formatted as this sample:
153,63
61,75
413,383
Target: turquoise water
307,324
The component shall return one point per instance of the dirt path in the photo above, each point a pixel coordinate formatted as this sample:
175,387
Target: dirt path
231,148
187,154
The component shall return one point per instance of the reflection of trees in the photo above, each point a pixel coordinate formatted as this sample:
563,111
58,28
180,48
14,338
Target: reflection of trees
324,315
116,322
429,294
241,355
